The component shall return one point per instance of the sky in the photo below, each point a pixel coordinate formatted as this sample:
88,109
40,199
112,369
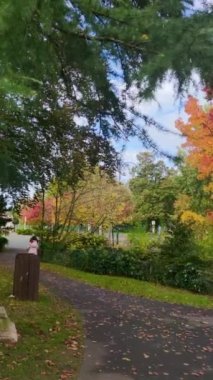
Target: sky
166,109
198,4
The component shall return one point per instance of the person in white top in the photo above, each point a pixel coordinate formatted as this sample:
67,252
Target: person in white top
33,245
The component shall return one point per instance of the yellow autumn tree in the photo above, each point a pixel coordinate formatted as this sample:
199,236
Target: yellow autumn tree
104,202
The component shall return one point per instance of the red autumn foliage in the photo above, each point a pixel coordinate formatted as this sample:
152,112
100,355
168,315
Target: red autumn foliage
33,214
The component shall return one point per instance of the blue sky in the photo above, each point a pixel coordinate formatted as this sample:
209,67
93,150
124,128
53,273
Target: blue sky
166,109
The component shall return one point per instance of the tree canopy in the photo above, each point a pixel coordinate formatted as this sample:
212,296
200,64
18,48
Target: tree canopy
75,40
198,131
153,188
60,68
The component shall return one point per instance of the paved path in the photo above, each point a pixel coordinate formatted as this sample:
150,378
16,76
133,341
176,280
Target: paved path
131,338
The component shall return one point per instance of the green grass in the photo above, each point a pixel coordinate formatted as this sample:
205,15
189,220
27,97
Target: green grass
135,287
50,337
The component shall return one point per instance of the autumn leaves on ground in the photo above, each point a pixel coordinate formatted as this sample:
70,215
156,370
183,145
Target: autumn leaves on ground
50,341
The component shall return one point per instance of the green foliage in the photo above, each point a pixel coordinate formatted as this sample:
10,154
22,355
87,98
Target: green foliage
153,189
78,52
179,260
144,37
186,274
25,231
59,251
85,240
107,261
144,241
3,242
91,255
180,242
3,209
206,244
55,252
189,184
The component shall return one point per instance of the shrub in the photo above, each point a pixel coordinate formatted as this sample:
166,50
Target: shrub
55,252
59,251
173,265
85,240
3,242
178,263
139,238
186,275
25,231
180,241
105,261
206,243
111,261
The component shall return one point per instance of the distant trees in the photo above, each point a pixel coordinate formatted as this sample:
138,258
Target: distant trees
162,194
95,202
153,188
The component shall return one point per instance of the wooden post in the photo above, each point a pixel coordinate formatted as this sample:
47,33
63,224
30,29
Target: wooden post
26,277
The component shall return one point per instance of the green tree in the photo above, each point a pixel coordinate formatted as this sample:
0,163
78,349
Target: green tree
154,189
3,209
62,57
72,40
193,189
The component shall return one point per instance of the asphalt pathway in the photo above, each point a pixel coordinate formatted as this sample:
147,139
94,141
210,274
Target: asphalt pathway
132,338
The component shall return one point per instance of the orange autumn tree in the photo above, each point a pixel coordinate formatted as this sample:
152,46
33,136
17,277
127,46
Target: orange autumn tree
198,131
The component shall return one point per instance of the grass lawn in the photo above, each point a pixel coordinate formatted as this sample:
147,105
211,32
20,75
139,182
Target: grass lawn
135,287
50,337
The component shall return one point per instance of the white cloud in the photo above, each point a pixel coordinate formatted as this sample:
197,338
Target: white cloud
199,4
166,109
80,120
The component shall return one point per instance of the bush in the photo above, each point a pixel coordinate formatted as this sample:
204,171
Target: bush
24,231
173,265
178,263
55,252
140,239
116,261
59,251
180,241
85,240
206,243
188,275
3,242
106,260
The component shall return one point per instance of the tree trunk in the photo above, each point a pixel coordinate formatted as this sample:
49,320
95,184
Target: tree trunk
42,220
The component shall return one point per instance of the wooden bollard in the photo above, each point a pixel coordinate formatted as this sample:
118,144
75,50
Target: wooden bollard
26,277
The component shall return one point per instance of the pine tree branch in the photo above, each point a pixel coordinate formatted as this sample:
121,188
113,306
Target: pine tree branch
98,14
108,39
